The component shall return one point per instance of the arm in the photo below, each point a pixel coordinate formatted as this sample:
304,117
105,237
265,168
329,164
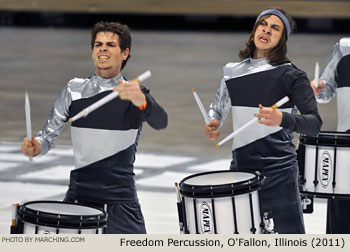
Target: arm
301,94
221,105
328,76
153,114
145,105
218,111
55,123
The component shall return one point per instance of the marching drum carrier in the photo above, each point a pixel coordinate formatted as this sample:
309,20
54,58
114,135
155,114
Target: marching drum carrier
221,202
324,162
56,217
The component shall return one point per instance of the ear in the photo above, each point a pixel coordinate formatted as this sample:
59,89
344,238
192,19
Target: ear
125,53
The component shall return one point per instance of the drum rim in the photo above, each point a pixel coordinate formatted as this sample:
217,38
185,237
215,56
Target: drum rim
222,190
325,195
90,221
327,138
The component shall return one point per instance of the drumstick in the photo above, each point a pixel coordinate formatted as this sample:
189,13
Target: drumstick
107,98
179,208
28,119
317,74
236,132
201,107
14,214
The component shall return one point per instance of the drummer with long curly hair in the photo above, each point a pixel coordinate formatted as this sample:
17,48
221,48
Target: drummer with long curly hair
264,76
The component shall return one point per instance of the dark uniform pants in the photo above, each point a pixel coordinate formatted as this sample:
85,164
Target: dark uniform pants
122,217
279,196
338,216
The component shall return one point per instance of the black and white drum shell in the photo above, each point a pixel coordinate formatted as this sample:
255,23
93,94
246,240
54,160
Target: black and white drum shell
327,164
55,217
222,202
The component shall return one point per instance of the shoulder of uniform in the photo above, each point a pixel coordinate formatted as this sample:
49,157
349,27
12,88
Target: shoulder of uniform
230,66
77,82
293,72
344,42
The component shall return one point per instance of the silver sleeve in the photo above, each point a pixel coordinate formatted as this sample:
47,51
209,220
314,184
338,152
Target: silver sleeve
328,75
221,104
56,121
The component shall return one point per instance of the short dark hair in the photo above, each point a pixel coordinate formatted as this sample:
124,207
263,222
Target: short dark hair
119,29
277,55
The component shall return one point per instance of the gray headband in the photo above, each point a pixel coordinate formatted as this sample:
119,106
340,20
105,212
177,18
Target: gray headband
278,14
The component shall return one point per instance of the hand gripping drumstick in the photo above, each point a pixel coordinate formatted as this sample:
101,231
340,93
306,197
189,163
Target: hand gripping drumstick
107,98
317,74
232,135
201,107
28,119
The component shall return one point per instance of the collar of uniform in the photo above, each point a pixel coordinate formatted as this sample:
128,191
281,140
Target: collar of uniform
108,83
258,62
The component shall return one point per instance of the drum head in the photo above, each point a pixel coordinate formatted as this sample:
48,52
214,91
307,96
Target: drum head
62,208
219,184
222,178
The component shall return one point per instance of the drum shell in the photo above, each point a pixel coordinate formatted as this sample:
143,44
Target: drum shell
327,165
227,211
29,228
34,221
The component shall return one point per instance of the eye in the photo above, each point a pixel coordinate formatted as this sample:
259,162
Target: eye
276,28
263,22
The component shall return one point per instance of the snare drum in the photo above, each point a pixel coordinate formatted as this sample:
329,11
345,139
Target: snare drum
55,217
221,202
326,171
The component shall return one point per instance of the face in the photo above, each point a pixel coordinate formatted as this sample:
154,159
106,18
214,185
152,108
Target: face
107,55
267,35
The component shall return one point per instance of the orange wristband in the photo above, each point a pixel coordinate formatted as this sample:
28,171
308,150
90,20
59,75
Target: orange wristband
143,107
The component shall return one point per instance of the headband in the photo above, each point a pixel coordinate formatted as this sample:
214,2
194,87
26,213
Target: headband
279,14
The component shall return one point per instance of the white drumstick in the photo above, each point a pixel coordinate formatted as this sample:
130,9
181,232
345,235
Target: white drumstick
106,99
242,128
317,74
201,107
28,119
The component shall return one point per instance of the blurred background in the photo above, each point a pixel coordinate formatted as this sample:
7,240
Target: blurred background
185,44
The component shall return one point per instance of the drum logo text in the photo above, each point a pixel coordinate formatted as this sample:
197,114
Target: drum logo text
206,218
325,169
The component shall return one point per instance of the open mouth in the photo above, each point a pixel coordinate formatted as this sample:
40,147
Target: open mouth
103,57
263,39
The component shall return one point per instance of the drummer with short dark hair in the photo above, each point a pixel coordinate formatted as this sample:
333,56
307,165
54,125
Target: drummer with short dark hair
264,76
335,80
105,141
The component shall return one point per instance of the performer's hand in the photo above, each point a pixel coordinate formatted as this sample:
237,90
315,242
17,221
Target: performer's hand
321,85
211,130
131,91
269,116
31,148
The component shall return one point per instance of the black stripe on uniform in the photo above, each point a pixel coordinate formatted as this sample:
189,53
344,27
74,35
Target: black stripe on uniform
258,88
117,114
343,70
